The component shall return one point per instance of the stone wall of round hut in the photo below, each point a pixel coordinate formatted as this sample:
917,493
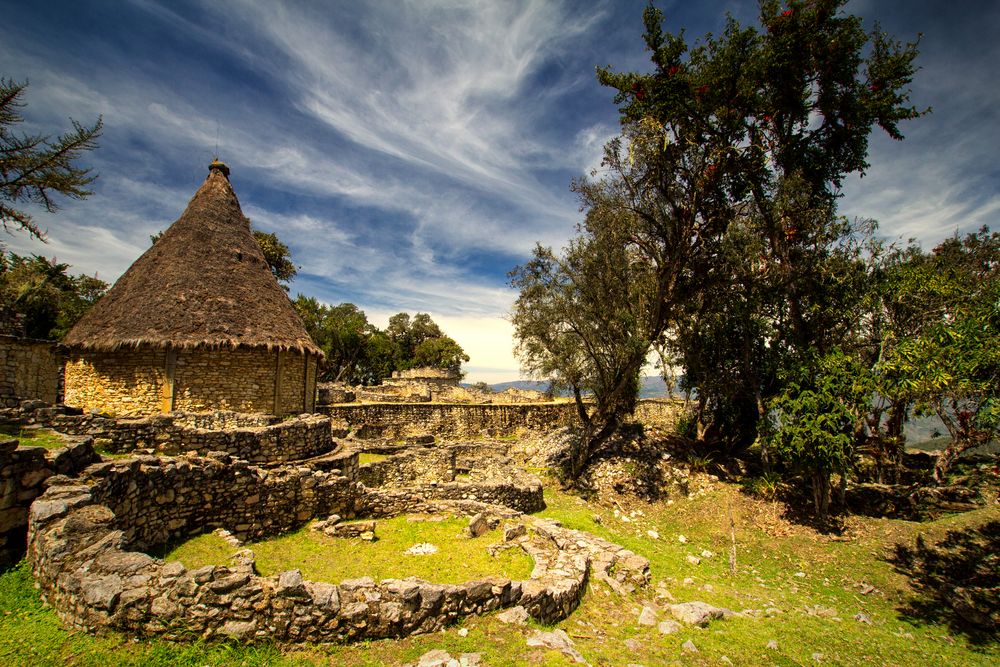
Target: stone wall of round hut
133,382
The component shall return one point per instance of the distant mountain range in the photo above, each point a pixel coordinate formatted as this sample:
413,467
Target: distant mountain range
653,386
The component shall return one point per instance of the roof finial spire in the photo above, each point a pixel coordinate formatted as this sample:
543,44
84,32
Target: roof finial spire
218,165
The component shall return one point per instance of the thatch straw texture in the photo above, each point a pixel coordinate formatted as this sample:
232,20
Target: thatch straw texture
204,283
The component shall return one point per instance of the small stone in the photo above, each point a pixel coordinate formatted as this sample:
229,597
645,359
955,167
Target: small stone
682,539
708,588
694,560
633,645
772,645
689,647
470,659
688,581
477,526
800,575
706,553
653,534
557,640
435,658
818,657
668,627
862,617
514,616
725,660
421,549
463,632
598,520
647,616
514,531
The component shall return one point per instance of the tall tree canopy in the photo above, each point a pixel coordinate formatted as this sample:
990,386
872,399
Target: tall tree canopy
35,167
724,181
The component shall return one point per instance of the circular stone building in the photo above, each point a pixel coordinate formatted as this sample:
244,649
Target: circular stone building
197,323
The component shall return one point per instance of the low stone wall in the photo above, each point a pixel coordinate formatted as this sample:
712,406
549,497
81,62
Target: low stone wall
409,467
255,438
80,550
449,421
23,471
84,533
29,369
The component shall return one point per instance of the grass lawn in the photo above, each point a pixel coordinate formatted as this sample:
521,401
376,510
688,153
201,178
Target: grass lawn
813,584
32,436
333,559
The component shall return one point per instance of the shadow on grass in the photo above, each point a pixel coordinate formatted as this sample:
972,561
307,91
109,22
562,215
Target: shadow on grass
956,581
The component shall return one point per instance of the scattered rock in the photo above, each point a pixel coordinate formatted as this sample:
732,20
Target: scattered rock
514,616
668,627
698,613
694,560
436,658
821,611
421,549
647,616
689,647
800,575
725,660
862,617
688,581
682,539
706,553
772,645
653,534
556,640
477,526
470,659
633,645
818,657
463,632
514,531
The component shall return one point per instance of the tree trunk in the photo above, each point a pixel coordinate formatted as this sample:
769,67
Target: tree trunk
821,494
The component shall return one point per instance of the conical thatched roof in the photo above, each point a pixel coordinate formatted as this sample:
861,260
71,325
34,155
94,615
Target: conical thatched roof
203,283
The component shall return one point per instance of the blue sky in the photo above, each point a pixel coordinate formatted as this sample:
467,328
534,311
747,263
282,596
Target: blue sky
410,153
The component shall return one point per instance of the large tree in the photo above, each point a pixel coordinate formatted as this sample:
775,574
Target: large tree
36,167
749,134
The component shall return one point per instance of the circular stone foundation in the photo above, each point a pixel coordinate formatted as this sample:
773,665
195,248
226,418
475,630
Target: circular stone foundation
88,539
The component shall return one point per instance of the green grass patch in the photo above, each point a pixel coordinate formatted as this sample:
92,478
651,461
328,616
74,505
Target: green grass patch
32,436
366,457
331,559
847,573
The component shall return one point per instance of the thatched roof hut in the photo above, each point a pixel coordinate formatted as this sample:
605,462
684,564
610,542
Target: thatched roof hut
203,296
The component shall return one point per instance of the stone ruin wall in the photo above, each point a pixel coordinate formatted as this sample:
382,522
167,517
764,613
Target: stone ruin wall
23,471
255,438
457,421
29,369
134,382
83,533
430,464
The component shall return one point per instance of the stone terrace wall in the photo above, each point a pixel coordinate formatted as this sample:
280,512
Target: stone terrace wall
23,470
255,438
29,369
408,467
81,534
457,421
446,421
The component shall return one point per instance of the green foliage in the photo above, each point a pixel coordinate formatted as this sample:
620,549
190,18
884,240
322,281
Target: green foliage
583,320
818,419
949,363
277,256
357,352
34,168
48,299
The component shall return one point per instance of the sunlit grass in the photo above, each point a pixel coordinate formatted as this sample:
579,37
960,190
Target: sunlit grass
32,436
333,559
